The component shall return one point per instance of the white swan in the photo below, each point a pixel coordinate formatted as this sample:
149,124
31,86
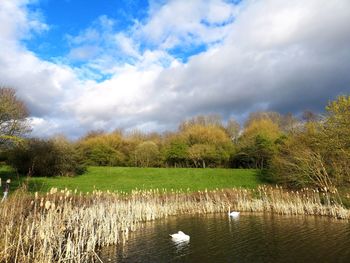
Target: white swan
233,213
180,237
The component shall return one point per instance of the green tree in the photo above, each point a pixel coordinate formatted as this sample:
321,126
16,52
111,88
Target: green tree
202,154
318,155
176,152
257,144
13,116
210,145
54,157
102,149
147,154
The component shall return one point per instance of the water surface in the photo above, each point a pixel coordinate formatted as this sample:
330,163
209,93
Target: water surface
251,238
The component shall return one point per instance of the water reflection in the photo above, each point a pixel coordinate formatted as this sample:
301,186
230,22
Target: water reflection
249,238
180,244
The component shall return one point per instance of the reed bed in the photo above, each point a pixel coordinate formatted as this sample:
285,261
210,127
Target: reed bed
67,226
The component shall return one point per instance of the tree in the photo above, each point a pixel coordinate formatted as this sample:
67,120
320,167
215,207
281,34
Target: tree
265,127
318,155
176,152
202,120
257,145
54,157
309,116
209,144
337,124
102,149
288,123
201,154
233,128
13,116
147,154
274,117
335,135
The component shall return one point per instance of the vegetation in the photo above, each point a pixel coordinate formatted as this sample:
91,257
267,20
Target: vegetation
310,152
63,226
319,153
13,114
66,226
54,157
127,179
13,122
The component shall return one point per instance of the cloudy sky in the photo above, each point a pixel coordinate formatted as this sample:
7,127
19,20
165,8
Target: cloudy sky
105,64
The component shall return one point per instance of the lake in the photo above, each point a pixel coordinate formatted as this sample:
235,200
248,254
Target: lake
250,238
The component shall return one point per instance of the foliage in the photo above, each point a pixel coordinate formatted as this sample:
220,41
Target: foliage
318,155
13,114
208,145
198,143
63,226
264,127
258,144
176,152
37,157
102,149
147,154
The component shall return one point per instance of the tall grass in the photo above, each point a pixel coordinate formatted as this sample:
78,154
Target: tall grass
66,226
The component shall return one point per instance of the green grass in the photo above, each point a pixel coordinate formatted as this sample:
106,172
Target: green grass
7,173
128,178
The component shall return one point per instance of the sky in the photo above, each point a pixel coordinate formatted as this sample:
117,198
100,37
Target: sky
130,64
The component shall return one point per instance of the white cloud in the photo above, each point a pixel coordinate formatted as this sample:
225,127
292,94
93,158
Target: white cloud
122,96
25,24
43,85
187,22
127,45
84,53
279,55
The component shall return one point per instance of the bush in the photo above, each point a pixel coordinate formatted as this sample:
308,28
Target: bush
37,157
102,149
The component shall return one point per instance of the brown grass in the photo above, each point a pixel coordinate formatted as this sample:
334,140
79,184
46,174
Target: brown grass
66,226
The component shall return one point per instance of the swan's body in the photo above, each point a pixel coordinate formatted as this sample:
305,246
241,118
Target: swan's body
233,213
180,237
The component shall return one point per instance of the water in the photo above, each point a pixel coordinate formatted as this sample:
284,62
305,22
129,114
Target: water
251,238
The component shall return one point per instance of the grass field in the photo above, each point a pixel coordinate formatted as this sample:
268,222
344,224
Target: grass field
128,178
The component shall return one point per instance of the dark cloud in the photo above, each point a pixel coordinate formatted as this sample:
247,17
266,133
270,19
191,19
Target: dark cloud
284,56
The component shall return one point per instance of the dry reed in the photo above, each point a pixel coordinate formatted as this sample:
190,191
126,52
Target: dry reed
66,226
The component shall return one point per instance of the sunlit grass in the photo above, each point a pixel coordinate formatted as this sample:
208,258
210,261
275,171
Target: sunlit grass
128,178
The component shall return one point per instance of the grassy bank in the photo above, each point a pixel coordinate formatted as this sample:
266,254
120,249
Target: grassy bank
128,178
61,226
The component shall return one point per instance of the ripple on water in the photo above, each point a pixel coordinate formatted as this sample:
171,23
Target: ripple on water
250,238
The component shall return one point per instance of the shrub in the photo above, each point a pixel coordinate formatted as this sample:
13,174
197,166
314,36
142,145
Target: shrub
37,157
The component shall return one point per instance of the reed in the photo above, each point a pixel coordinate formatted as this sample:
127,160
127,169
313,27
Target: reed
67,226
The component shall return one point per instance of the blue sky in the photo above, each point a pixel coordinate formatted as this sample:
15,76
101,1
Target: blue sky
107,64
69,17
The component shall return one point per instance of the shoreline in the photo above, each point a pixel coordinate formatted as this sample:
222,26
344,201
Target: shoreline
64,226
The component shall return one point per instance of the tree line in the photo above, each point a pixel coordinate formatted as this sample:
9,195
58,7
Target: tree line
310,150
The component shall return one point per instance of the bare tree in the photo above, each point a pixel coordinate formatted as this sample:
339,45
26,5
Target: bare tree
233,129
309,116
202,120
